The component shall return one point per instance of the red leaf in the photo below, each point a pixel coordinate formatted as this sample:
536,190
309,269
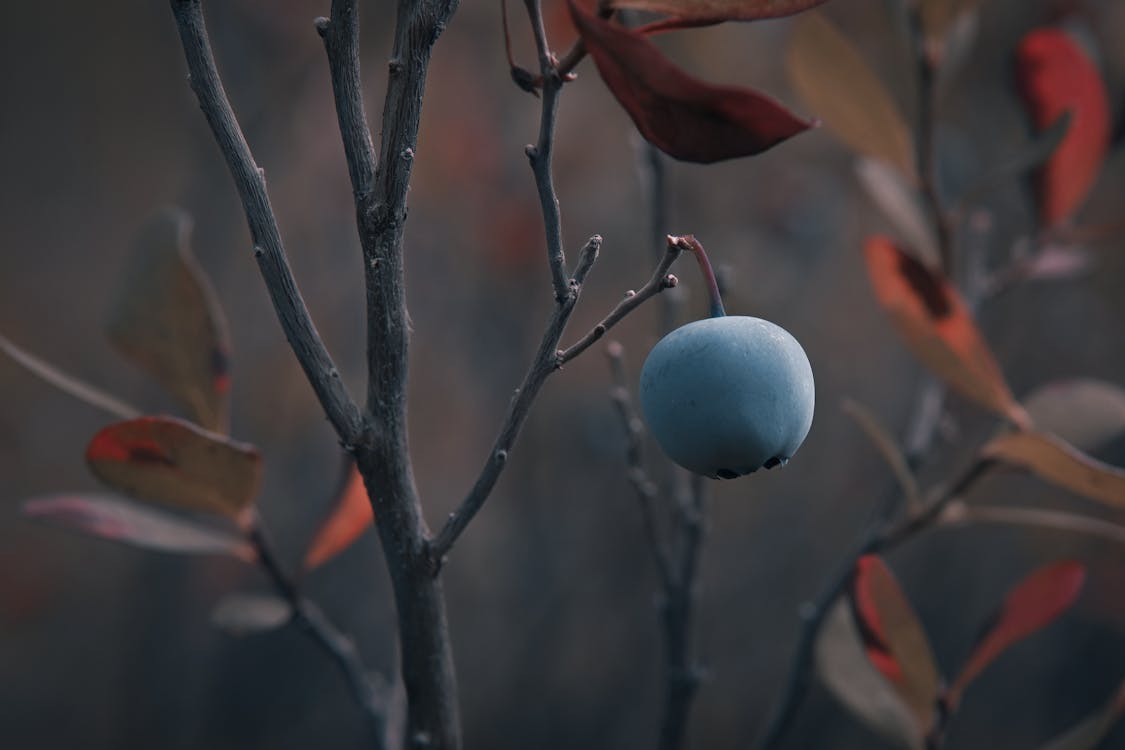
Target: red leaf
895,641
174,462
351,516
683,116
938,327
1032,605
1056,76
122,521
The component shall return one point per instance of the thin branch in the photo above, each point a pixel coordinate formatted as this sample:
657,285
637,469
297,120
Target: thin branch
268,249
645,489
341,43
540,155
69,384
546,362
660,281
927,151
959,514
372,698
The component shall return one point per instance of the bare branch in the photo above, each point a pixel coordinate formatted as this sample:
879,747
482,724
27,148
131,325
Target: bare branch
268,249
372,697
341,42
540,155
643,485
546,362
660,281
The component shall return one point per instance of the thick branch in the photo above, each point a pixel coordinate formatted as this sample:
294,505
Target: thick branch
384,459
268,250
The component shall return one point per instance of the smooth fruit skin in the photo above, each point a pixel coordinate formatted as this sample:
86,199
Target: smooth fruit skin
724,396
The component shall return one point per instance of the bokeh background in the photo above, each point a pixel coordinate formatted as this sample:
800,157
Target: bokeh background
551,592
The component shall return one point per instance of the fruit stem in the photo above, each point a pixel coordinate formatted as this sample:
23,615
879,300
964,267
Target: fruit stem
688,242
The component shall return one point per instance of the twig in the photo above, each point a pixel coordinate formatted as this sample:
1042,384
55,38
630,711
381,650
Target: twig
659,281
959,514
540,154
373,699
69,384
927,166
268,249
542,366
645,489
882,534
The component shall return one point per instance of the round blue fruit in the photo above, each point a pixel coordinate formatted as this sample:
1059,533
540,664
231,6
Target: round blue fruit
726,395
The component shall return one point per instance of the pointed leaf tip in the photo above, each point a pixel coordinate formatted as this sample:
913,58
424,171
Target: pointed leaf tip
1055,77
702,12
684,117
351,515
1037,601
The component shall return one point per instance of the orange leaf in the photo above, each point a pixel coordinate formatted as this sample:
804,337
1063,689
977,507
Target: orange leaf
1032,605
1060,463
683,116
1056,76
938,328
351,516
167,320
174,462
895,641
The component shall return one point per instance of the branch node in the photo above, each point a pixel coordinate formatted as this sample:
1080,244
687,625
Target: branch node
258,251
394,66
321,26
531,151
670,281
407,154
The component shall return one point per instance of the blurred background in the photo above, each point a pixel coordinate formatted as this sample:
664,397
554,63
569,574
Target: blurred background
551,591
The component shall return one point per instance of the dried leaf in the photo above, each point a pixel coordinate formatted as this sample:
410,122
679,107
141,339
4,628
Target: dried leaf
1088,733
67,383
702,12
351,515
684,117
167,320
896,642
1084,412
900,202
846,671
243,614
1056,461
938,328
958,513
120,520
839,85
877,433
173,462
1032,605
1056,76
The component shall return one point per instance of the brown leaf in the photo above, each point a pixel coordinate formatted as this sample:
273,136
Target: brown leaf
119,520
1056,461
684,117
845,670
938,328
838,84
351,515
173,462
167,320
1084,412
877,433
1056,76
701,12
1032,605
896,642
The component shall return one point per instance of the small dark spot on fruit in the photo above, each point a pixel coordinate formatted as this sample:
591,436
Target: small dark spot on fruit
772,462
727,474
